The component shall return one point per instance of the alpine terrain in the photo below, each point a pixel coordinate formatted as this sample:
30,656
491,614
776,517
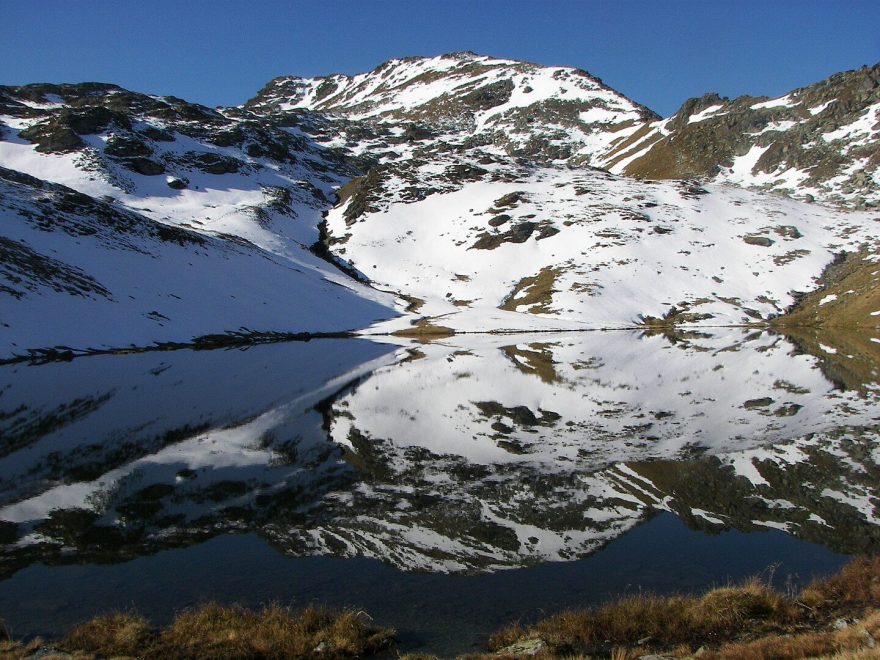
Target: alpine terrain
457,193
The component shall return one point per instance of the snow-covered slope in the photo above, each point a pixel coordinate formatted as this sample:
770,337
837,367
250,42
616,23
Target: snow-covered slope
134,220
479,205
515,248
82,273
528,110
819,140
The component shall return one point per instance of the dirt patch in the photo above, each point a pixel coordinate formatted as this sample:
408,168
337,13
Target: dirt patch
425,329
535,293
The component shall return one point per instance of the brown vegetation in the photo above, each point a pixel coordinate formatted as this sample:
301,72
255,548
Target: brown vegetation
425,329
847,297
216,631
747,621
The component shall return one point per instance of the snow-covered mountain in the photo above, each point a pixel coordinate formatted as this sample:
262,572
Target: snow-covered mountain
452,193
818,141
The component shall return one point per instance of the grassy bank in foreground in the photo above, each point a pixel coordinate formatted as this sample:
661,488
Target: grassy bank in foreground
215,631
836,617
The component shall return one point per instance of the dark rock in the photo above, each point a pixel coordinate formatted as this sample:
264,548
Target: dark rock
212,163
91,120
144,166
488,96
126,147
519,233
52,138
763,241
157,134
418,132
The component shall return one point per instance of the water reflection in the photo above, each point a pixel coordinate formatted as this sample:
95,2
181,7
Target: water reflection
472,454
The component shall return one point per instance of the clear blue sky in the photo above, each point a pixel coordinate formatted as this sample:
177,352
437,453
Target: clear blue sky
658,52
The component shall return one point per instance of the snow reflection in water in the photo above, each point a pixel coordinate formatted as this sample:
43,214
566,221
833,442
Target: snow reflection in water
470,454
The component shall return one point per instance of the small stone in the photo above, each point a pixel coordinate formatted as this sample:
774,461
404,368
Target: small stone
840,624
644,640
524,647
763,241
868,639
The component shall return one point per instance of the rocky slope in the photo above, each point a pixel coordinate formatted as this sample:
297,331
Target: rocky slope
817,142
471,192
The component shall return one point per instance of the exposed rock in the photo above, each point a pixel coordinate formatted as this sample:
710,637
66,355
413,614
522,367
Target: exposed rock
524,647
763,241
144,166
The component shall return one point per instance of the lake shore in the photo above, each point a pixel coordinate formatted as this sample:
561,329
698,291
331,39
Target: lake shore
833,617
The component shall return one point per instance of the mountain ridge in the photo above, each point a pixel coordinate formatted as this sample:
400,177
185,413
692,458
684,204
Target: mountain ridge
488,194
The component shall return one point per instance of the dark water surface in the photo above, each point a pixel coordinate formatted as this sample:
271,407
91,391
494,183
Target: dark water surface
446,614
446,489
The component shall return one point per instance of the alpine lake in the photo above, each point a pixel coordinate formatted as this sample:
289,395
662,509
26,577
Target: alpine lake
445,488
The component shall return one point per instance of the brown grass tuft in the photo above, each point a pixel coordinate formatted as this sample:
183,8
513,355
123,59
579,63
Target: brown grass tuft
10,650
749,621
117,634
850,643
857,585
216,631
664,621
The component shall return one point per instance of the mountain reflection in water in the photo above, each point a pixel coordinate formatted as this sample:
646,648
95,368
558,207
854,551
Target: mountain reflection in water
471,454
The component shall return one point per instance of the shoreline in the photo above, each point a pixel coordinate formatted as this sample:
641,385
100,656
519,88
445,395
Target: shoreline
832,617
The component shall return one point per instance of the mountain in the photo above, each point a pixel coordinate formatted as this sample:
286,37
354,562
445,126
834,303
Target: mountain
430,195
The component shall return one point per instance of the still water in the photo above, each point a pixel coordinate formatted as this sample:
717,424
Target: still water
445,488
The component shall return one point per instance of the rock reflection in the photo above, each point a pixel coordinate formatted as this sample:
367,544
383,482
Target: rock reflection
471,454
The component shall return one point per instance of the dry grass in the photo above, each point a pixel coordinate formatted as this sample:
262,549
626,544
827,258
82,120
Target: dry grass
218,631
215,631
857,585
119,634
10,650
850,291
534,292
665,621
851,642
425,329
746,621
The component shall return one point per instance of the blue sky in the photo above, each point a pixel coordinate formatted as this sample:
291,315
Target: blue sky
658,52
